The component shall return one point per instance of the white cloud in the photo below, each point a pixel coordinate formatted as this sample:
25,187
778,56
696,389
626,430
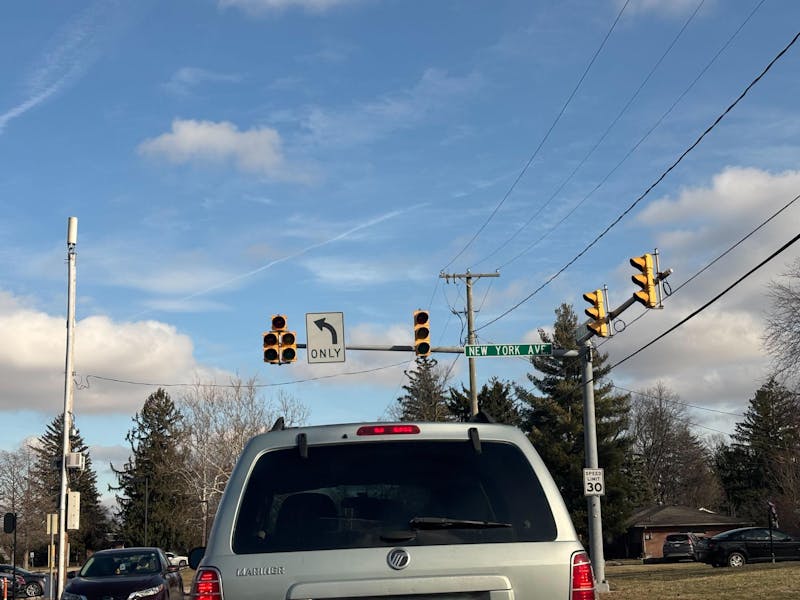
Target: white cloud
349,272
185,79
735,194
32,360
258,150
368,121
716,359
667,8
264,6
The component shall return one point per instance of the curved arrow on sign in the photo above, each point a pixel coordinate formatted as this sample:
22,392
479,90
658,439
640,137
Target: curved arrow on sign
322,324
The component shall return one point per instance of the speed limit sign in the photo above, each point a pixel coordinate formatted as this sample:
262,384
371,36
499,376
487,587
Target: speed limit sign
593,482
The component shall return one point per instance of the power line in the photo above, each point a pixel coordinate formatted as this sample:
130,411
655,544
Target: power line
713,262
710,302
638,143
591,151
542,142
652,186
670,401
258,385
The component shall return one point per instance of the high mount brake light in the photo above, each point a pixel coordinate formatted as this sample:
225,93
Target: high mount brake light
207,585
582,578
387,430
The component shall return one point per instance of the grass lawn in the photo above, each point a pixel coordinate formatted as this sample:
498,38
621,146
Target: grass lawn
698,581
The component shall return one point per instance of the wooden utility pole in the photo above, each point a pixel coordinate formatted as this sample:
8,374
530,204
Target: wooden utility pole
468,277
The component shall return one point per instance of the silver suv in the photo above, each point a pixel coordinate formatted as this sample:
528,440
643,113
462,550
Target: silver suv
406,511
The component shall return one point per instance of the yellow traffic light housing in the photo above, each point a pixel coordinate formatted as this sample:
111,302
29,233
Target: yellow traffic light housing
422,333
597,312
288,346
271,347
280,345
645,280
278,322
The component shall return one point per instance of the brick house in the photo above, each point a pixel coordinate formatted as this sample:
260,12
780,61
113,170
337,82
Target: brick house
648,527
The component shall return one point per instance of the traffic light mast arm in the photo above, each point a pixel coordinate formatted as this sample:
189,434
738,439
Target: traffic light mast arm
625,305
400,348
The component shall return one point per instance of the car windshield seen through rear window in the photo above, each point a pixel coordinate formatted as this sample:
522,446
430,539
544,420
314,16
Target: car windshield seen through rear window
382,494
121,564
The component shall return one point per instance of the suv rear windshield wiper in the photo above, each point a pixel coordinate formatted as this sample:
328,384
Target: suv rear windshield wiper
446,523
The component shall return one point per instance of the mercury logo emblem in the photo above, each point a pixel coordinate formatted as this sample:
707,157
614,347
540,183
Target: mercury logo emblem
398,559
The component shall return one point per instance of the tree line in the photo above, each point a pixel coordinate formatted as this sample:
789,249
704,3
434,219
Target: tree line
182,451
181,454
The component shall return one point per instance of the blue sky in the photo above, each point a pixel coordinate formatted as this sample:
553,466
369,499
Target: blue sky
232,159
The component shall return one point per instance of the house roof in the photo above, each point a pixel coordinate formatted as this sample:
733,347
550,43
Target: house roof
684,516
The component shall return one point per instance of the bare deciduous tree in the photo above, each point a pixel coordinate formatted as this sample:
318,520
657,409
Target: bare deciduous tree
782,331
673,461
219,421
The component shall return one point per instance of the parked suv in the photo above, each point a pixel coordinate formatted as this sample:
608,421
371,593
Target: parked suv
680,545
407,511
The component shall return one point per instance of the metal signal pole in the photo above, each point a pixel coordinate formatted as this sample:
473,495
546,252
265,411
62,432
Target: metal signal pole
72,240
473,386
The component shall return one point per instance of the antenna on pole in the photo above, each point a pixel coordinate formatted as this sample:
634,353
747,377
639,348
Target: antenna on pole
72,241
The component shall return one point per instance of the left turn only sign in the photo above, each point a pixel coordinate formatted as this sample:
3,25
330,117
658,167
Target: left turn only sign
325,337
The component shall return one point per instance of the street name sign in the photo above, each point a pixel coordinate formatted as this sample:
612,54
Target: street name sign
473,351
325,337
594,482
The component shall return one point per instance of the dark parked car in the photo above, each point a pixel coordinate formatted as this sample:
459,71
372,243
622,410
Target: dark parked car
127,574
678,546
33,584
736,547
15,591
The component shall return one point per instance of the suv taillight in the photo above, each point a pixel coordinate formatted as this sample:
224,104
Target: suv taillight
207,585
582,578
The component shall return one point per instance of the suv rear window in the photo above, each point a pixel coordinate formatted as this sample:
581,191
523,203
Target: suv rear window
677,537
359,495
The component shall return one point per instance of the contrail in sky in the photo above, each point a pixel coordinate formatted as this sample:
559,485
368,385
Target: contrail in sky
64,60
307,249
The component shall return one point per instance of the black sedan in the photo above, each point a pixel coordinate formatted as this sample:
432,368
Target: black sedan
125,574
34,583
736,547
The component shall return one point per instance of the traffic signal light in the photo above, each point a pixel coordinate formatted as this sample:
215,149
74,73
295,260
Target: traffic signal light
280,345
288,346
9,522
271,343
278,322
597,311
645,280
422,333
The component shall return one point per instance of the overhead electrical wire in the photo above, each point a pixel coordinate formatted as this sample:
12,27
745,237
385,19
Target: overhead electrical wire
633,149
258,385
600,140
713,262
671,401
709,303
543,140
651,187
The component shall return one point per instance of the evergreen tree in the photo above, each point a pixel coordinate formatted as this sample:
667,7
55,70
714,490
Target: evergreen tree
753,467
554,422
495,398
152,498
425,398
94,524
